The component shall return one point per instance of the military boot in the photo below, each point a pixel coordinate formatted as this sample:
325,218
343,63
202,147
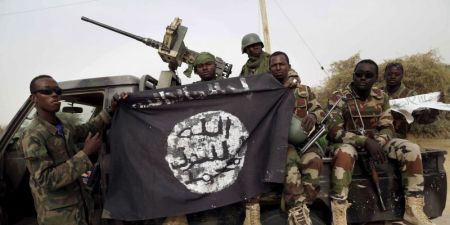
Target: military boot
414,213
339,211
176,220
252,214
299,215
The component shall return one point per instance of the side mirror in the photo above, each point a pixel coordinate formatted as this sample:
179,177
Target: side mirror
71,109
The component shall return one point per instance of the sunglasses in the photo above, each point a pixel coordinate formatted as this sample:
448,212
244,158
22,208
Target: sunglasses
360,74
49,91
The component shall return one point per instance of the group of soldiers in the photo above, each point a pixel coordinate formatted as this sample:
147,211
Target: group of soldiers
360,121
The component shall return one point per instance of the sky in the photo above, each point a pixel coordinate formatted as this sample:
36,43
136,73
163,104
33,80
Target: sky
48,36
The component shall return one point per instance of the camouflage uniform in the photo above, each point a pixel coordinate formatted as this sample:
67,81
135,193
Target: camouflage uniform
261,65
377,122
56,165
256,65
302,172
401,126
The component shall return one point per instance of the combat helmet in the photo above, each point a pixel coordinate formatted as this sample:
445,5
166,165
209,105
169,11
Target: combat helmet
250,39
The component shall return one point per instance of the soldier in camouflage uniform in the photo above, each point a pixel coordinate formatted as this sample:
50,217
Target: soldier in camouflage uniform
258,59
395,88
363,121
54,161
302,171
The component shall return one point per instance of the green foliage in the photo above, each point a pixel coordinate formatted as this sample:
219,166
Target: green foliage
423,72
341,75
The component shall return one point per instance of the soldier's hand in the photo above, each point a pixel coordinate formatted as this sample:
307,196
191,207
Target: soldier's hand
308,122
292,82
115,101
92,143
375,150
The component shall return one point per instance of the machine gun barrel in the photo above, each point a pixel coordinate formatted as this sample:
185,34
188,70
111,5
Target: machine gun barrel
148,41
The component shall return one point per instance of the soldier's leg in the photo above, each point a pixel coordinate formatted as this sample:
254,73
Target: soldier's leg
344,157
410,160
310,168
293,193
293,188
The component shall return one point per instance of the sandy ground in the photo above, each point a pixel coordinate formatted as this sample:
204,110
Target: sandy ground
439,144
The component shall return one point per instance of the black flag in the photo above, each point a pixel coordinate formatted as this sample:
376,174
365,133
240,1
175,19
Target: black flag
191,148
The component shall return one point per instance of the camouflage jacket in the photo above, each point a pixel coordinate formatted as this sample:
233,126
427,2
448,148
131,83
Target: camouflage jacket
256,66
374,117
253,67
306,102
401,126
56,164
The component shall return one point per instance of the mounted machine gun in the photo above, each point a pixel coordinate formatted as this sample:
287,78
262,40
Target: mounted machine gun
172,51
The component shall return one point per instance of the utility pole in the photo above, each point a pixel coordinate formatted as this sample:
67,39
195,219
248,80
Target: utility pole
262,7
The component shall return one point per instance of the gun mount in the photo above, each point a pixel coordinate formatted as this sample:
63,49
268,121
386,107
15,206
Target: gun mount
172,50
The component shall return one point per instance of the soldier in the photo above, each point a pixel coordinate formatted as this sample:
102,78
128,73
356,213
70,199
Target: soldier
53,159
204,65
394,87
364,121
302,171
258,60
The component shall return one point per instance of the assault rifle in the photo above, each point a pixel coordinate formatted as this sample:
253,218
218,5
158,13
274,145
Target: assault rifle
172,50
322,128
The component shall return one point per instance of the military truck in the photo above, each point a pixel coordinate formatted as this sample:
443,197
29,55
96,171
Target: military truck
83,99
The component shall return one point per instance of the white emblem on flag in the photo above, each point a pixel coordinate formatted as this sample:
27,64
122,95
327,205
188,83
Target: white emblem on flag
206,151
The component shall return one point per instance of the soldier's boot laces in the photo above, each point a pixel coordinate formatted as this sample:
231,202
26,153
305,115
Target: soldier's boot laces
339,211
299,215
414,213
176,220
252,214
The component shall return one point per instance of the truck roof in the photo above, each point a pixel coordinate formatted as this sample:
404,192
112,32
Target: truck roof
99,82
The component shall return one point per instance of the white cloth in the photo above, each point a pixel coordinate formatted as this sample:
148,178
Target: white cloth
407,105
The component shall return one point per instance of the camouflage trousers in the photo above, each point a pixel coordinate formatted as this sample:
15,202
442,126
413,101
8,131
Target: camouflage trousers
70,215
302,176
405,152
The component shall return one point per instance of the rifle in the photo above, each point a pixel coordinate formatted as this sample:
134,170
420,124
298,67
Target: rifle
172,50
371,166
322,128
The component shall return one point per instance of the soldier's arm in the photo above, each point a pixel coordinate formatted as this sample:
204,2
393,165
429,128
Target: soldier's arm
95,125
385,123
43,169
314,106
336,131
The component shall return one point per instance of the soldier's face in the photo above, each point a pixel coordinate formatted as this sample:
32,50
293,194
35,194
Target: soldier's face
364,76
206,71
279,67
393,76
254,50
46,95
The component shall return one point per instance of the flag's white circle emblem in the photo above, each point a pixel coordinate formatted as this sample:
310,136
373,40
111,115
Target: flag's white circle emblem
206,151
